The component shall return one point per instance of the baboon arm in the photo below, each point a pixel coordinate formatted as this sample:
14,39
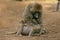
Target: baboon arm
20,28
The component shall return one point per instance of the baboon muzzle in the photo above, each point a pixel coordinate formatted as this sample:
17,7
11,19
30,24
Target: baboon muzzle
36,15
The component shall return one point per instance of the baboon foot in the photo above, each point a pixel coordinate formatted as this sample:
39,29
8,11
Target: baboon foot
20,35
44,32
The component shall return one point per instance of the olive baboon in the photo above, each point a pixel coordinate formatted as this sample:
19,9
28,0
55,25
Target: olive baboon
32,22
19,0
58,5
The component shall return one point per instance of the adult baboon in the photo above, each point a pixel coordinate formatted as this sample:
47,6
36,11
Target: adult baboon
19,0
32,22
58,5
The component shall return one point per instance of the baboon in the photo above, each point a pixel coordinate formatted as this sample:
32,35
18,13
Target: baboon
32,22
58,5
19,0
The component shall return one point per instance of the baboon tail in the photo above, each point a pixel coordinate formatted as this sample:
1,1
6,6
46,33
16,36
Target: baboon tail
11,33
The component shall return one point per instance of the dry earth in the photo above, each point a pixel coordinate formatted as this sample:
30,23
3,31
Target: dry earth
11,12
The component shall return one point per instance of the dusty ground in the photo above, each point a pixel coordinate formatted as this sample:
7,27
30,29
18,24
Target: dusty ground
11,13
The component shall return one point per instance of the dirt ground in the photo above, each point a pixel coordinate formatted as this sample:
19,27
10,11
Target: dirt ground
11,13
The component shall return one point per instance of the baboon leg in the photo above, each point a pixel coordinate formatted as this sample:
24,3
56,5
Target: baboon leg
20,29
42,29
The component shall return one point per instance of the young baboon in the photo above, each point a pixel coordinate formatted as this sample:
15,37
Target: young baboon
32,22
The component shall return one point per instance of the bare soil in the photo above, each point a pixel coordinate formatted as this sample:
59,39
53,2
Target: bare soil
11,13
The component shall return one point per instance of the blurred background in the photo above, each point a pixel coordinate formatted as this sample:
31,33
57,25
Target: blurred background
11,12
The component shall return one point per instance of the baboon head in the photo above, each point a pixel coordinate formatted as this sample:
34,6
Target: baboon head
36,7
36,11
